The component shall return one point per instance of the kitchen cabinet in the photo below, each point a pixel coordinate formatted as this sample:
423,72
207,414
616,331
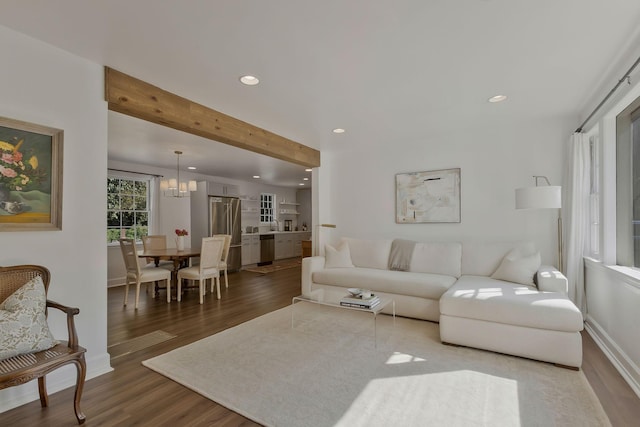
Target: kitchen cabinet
219,189
284,246
250,249
250,205
297,242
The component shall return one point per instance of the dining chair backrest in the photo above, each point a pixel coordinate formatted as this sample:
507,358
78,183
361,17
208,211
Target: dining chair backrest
154,242
130,256
210,253
227,245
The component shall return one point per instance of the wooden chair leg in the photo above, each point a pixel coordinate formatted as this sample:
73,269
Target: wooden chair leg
168,285
179,289
126,293
82,372
42,388
137,294
201,289
226,279
217,280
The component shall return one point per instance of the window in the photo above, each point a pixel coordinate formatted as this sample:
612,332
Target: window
267,207
127,208
628,186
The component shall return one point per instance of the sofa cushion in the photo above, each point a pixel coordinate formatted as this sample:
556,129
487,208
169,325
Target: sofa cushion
23,320
484,298
369,253
437,258
483,258
518,268
339,257
421,285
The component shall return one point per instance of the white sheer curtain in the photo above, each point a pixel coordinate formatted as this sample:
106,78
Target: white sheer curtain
575,214
154,219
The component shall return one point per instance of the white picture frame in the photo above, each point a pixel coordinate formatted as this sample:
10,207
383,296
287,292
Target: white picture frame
428,197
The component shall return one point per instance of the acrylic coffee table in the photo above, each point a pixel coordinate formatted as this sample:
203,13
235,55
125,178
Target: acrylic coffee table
384,302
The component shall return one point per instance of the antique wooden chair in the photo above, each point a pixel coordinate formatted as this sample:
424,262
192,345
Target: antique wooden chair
23,368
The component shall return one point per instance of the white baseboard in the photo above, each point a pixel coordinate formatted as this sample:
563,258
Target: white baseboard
623,364
57,380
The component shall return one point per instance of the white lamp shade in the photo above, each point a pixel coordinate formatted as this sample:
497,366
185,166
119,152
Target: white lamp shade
193,186
164,185
173,184
543,197
183,187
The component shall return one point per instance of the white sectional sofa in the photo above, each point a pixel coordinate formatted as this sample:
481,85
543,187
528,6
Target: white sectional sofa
522,310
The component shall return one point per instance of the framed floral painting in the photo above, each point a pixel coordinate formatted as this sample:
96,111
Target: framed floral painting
30,176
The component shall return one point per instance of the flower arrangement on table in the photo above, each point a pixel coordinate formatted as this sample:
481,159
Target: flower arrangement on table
182,232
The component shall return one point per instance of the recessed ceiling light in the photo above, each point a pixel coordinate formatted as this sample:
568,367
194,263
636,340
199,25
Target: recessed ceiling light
191,168
256,176
498,98
339,130
305,179
249,80
302,183
308,170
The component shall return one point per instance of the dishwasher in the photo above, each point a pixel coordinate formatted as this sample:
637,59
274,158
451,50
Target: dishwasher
267,249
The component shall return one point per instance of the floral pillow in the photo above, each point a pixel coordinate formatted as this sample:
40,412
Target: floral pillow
23,324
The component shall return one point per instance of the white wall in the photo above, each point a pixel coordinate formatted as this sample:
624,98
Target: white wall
42,84
358,184
613,298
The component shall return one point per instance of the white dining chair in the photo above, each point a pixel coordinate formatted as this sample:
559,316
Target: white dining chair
158,241
223,265
138,275
210,255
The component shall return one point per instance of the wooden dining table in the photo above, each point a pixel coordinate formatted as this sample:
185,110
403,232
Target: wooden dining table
178,257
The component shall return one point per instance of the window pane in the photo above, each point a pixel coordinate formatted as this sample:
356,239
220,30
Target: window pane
142,218
126,203
141,203
113,185
113,219
113,201
127,187
127,219
140,188
113,235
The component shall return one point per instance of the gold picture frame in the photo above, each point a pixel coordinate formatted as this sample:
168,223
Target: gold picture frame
30,176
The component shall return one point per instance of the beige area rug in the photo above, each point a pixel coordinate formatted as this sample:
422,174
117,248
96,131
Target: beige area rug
138,343
326,371
265,269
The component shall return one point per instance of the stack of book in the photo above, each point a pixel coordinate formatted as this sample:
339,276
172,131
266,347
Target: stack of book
359,301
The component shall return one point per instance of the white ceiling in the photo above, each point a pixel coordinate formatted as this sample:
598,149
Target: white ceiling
389,72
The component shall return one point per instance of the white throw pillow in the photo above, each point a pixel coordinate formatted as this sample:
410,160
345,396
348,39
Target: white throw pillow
23,323
518,268
337,257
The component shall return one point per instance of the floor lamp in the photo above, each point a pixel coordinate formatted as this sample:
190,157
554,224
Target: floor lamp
543,197
317,244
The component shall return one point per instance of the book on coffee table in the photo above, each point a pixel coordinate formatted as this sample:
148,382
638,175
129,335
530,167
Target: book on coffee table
359,302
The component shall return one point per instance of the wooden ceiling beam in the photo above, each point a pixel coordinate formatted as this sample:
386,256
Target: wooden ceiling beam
134,97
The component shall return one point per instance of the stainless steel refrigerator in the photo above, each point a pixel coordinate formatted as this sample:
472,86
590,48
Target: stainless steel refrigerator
216,214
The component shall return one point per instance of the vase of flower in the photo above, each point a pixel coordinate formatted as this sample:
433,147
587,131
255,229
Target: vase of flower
180,238
180,243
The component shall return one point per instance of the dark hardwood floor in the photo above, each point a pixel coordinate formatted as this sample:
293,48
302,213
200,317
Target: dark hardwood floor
133,395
